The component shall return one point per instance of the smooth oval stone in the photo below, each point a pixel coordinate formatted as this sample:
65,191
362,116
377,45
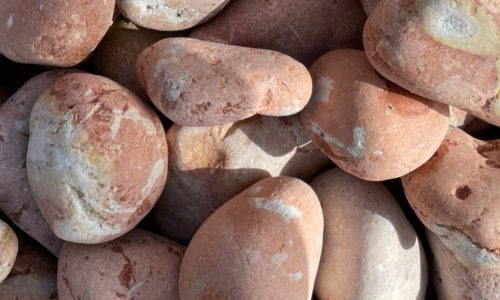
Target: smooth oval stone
116,55
97,158
52,32
8,249
139,265
210,165
455,195
369,127
169,15
453,280
34,275
447,51
370,250
16,201
302,29
198,83
265,243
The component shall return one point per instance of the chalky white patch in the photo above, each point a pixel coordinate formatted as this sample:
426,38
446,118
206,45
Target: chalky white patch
377,152
174,88
155,174
295,276
322,89
358,147
287,212
134,115
279,259
10,22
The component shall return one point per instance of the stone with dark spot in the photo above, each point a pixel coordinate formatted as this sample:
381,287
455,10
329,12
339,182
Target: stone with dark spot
139,265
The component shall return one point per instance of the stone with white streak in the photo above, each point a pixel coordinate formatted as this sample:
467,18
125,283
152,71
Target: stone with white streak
8,249
265,243
368,126
97,158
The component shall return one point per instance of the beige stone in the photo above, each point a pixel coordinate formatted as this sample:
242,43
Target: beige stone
455,195
368,126
16,201
8,249
199,83
444,50
370,250
170,15
33,277
453,280
139,265
52,32
305,30
265,243
210,165
97,158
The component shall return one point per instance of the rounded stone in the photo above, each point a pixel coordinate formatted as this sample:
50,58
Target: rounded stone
139,265
170,15
16,201
447,51
265,243
97,158
210,165
368,126
455,195
8,249
305,30
53,32
199,83
370,250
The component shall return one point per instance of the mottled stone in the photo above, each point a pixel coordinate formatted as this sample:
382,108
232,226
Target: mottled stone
210,165
8,249
265,243
16,201
368,126
455,195
170,15
453,280
97,158
444,50
302,29
33,277
139,265
199,83
53,32
370,250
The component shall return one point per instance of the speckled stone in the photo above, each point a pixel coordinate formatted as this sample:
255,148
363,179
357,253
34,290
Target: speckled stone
368,126
97,158
370,250
16,201
8,249
444,50
210,165
455,195
170,15
139,265
302,29
265,243
33,277
53,32
199,83
454,280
